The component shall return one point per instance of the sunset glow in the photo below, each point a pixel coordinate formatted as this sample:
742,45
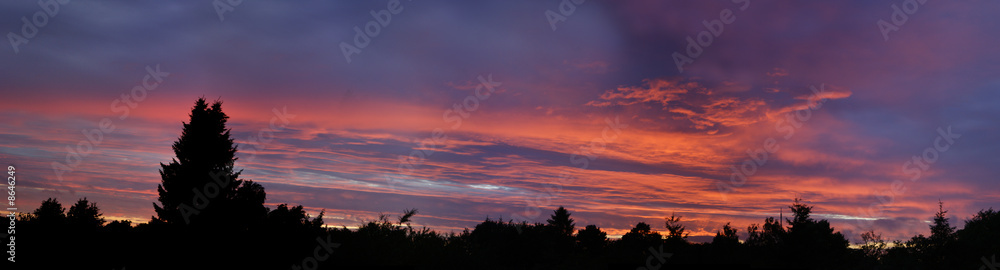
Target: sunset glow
471,110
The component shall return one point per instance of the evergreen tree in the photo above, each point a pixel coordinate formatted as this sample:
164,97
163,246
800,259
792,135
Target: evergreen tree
199,186
800,215
942,233
675,231
561,221
813,242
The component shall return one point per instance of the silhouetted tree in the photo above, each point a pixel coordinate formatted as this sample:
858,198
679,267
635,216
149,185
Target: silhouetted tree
591,238
199,186
942,233
406,217
981,233
70,236
980,237
934,251
873,246
493,242
642,235
812,242
770,235
293,229
675,231
561,221
85,215
726,246
119,226
292,219
50,213
726,237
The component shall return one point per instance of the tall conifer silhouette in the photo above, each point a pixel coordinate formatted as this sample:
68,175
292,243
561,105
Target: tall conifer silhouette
199,186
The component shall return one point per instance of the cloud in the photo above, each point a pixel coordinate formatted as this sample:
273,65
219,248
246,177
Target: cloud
819,95
777,73
652,91
689,100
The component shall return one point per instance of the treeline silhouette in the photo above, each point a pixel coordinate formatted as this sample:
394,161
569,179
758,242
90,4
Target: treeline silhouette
209,218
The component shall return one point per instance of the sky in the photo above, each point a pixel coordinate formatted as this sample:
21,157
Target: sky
622,112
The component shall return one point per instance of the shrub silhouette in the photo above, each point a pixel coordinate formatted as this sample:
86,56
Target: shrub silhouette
85,215
592,239
50,214
726,237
